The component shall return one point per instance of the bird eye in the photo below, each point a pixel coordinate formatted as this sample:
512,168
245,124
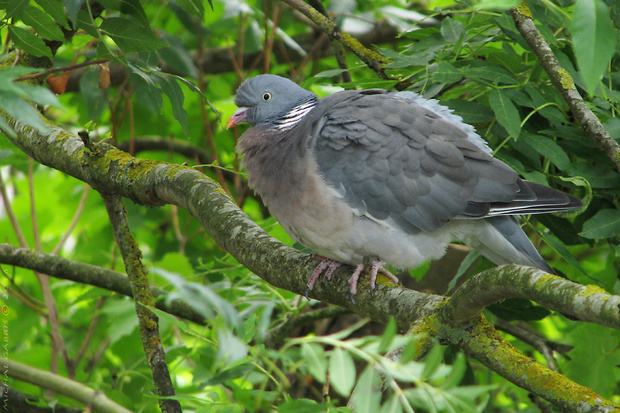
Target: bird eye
266,96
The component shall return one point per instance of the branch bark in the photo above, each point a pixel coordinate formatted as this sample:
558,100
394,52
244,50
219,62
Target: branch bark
563,82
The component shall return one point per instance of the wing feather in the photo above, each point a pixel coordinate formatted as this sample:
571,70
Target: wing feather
410,163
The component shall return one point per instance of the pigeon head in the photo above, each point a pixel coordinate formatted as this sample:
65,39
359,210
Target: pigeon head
269,99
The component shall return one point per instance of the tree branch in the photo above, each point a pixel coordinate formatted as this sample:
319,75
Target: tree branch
110,280
77,391
147,320
482,342
586,302
374,60
563,82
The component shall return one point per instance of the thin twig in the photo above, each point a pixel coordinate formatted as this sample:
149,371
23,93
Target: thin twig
21,239
74,221
275,337
58,343
61,69
541,344
563,82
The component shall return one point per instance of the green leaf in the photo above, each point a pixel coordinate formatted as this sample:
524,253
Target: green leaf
432,361
451,29
341,371
193,7
518,309
489,72
471,112
85,21
300,406
388,335
599,176
130,7
200,297
73,8
15,7
177,57
129,36
595,357
605,224
20,109
315,360
594,40
496,4
548,148
56,10
400,60
124,314
29,42
368,392
248,329
93,97
506,112
559,248
457,372
469,260
172,89
447,73
612,125
230,348
40,95
330,73
42,23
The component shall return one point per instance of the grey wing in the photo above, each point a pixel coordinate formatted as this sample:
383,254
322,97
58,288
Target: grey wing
400,163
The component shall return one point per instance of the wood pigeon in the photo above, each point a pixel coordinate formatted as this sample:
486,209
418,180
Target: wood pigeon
383,177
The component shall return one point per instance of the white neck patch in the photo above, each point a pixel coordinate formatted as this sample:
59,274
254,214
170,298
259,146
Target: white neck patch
292,117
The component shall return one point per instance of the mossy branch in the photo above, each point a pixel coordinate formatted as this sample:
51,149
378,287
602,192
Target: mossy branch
563,82
373,60
143,298
155,183
585,302
479,340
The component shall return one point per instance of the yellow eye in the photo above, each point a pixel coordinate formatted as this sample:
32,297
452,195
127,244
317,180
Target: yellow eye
266,96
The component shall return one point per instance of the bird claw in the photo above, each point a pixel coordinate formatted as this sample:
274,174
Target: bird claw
329,266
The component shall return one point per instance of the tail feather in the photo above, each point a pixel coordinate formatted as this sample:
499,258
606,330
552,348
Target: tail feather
503,241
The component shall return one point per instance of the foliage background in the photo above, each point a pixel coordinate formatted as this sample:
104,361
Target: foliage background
164,60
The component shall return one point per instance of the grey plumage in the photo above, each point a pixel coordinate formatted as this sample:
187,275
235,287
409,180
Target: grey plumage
382,176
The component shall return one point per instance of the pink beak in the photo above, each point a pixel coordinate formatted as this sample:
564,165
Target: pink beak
237,117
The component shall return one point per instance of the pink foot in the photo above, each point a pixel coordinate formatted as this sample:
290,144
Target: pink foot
377,266
329,266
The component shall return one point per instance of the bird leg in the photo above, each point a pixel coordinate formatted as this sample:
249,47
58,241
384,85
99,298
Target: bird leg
329,266
377,266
